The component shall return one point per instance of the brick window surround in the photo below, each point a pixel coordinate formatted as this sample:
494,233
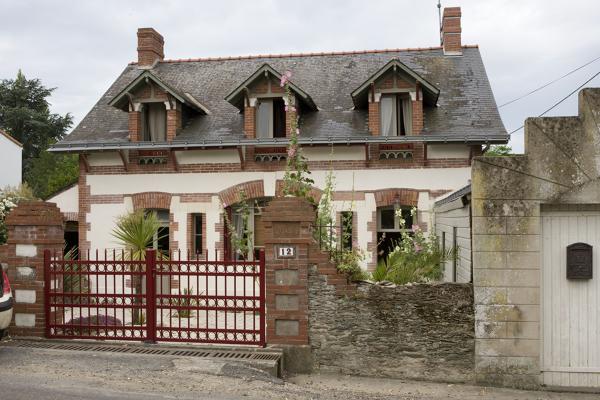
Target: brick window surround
156,200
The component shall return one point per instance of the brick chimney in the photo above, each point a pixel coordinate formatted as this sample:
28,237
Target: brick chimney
150,47
451,31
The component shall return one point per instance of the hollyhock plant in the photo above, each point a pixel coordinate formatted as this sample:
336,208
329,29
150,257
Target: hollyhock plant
296,181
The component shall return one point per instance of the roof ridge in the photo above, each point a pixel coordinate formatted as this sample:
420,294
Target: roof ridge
311,54
10,137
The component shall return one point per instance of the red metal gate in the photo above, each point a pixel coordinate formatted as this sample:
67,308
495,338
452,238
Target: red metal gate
159,299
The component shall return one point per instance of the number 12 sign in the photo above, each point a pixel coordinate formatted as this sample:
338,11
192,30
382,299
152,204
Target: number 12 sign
286,252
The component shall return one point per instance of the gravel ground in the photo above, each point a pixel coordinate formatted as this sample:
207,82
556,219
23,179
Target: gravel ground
27,373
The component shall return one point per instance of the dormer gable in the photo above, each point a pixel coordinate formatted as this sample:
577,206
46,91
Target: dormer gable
394,96
157,111
263,102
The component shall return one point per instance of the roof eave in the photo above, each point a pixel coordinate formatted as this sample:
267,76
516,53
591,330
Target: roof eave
326,140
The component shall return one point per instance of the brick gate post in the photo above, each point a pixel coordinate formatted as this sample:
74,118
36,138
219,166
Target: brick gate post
33,226
287,238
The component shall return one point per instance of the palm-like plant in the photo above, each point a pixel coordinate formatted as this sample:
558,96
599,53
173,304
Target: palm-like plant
135,232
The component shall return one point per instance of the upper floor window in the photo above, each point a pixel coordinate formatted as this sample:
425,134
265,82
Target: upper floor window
154,122
270,121
396,115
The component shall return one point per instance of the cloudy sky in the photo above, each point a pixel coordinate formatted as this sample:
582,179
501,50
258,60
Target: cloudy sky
80,47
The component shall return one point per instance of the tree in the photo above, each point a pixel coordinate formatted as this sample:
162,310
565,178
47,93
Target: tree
25,114
52,172
499,151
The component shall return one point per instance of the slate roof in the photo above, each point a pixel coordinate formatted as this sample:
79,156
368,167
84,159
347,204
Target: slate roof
466,105
454,195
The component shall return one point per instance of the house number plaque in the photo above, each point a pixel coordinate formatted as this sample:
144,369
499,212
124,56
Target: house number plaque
286,252
579,261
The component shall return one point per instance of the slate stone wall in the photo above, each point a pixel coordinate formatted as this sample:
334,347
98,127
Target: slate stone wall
423,331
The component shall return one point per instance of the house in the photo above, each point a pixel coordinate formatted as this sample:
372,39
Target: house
453,222
186,137
11,151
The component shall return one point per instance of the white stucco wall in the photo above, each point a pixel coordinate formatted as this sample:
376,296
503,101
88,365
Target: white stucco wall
67,200
437,151
102,216
10,173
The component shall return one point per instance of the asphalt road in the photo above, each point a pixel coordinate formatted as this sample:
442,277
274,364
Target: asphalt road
34,388
48,374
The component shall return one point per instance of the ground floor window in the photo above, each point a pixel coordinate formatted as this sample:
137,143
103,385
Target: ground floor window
347,220
160,240
250,229
71,237
197,234
390,227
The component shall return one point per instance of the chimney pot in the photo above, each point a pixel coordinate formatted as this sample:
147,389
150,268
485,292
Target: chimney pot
451,31
150,47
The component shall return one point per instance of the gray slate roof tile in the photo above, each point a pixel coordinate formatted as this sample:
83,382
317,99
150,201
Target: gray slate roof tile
466,105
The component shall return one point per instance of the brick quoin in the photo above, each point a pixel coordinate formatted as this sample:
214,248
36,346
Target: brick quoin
250,122
374,118
135,126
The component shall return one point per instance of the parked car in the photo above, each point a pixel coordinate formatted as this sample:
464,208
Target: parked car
6,302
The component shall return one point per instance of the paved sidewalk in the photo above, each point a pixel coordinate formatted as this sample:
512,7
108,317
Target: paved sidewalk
27,373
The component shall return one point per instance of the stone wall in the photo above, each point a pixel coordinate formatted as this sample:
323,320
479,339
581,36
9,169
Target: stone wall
560,166
420,332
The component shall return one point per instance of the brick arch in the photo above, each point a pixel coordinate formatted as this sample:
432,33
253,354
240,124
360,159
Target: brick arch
315,192
151,200
252,189
388,197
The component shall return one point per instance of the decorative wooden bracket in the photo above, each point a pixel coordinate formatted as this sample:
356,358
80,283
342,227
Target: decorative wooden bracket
174,160
241,156
124,159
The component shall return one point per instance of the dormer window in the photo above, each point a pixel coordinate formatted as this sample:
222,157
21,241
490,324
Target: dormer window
270,121
260,99
396,115
154,122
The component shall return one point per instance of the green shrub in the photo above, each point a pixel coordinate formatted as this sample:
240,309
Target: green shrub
414,258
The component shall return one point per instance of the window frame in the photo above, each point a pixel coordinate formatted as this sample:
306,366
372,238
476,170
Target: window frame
276,102
145,132
396,219
398,113
196,232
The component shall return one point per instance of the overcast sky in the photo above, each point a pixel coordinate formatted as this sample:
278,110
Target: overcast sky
80,47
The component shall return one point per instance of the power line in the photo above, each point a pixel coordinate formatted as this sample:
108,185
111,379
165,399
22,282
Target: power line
549,83
560,101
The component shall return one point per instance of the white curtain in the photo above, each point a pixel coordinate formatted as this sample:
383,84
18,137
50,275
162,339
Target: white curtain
407,114
156,122
388,115
264,125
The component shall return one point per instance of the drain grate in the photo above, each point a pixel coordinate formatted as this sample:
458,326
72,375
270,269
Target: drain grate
226,354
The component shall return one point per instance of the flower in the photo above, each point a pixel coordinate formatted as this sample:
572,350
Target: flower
293,109
286,108
292,151
418,247
285,78
416,228
297,131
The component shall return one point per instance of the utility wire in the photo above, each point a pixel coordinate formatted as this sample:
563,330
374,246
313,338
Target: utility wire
560,101
549,83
